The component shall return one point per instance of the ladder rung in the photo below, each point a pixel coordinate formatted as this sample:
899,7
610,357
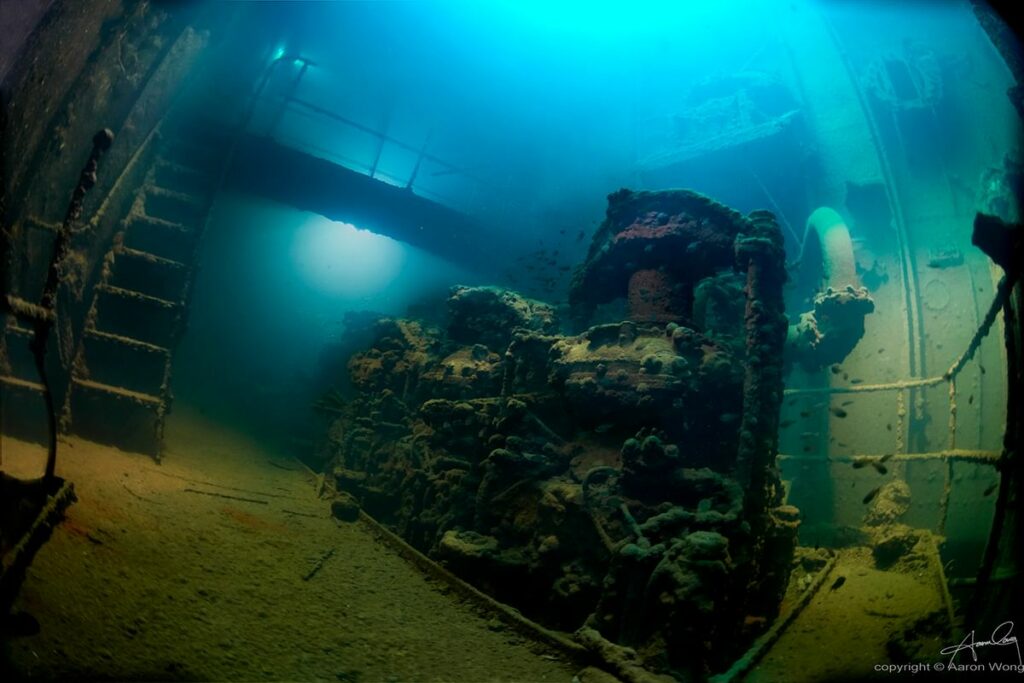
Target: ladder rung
146,256
183,169
19,331
28,310
140,217
39,224
137,397
127,341
19,383
175,194
137,296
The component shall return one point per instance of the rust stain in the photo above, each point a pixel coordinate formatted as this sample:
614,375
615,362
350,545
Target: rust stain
251,521
74,527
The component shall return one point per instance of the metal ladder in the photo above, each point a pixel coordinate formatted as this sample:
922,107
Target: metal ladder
121,376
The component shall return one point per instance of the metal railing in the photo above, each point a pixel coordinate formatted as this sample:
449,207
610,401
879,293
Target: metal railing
951,453
481,196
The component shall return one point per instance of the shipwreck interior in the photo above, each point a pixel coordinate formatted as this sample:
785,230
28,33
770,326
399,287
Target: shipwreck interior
509,341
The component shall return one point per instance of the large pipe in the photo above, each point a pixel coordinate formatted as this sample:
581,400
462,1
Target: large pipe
829,332
827,234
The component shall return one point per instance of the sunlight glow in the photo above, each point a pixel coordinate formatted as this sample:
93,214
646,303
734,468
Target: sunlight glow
342,260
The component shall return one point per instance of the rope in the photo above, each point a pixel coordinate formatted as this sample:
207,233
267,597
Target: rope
1002,296
982,457
999,300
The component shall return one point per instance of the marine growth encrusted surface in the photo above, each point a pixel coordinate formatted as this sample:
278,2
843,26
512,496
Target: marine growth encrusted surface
593,479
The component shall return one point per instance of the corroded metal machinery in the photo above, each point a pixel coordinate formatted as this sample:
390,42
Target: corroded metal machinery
621,479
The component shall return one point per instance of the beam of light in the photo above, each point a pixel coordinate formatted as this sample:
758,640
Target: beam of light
341,260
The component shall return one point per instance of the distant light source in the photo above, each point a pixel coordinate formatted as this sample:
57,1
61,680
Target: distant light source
278,53
342,260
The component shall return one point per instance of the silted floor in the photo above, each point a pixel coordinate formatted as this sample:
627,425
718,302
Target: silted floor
844,632
195,570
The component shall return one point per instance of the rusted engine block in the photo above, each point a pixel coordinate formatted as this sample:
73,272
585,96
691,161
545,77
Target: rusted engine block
621,478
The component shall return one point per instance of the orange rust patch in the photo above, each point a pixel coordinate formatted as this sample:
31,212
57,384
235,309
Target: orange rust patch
251,521
75,527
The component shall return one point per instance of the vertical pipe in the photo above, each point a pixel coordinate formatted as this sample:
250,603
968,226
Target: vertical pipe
952,413
901,422
48,300
762,255
947,490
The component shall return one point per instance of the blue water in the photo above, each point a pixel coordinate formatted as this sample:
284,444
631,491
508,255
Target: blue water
523,116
